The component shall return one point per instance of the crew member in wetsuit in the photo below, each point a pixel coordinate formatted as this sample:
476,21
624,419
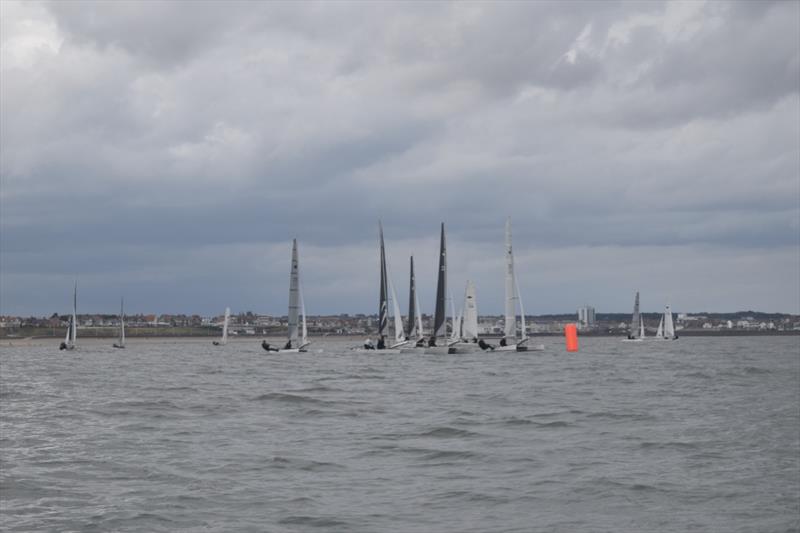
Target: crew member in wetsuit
503,341
432,341
381,343
368,345
483,346
421,342
62,346
267,347
288,346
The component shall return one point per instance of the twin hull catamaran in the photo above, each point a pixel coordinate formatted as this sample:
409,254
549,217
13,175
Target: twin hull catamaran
637,324
298,330
510,342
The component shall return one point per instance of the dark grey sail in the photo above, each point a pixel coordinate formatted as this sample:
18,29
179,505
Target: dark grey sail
411,330
294,297
383,304
634,332
439,324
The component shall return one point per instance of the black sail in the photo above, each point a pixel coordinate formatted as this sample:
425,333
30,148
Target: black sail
383,305
439,325
411,330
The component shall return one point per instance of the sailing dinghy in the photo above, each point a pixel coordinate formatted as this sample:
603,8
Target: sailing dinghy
72,329
224,340
439,342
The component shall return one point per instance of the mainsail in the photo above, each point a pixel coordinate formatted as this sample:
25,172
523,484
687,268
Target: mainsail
74,323
439,323
225,325
510,330
636,319
669,327
121,322
470,325
294,296
383,303
411,331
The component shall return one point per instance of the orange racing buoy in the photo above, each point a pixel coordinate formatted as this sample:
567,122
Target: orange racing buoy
571,334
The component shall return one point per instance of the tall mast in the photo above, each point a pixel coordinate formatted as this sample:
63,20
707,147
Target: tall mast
510,330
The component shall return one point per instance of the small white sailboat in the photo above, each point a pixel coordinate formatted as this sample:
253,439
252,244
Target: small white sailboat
510,342
121,340
439,342
298,331
224,340
666,327
69,342
636,333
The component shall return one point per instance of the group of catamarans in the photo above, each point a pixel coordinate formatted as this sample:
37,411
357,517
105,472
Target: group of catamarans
463,331
665,331
411,338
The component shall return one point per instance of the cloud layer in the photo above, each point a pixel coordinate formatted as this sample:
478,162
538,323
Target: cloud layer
171,150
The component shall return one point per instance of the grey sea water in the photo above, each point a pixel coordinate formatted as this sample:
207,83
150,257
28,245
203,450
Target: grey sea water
700,434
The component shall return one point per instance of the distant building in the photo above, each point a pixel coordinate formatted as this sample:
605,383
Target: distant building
586,316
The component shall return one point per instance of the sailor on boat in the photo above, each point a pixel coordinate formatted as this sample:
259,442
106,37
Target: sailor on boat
267,347
62,346
421,342
484,346
368,345
381,343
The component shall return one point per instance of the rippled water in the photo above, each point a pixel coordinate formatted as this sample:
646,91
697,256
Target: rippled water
700,434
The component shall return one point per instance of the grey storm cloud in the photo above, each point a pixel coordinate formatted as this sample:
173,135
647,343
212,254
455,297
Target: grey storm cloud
173,149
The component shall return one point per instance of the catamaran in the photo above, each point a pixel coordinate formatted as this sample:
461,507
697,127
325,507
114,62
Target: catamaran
439,342
510,342
121,340
637,323
72,329
666,328
298,336
414,332
224,340
386,293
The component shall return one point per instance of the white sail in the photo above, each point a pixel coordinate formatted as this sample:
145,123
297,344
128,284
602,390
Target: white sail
225,325
641,327
510,307
660,330
399,336
523,328
669,327
470,326
74,334
294,297
304,327
121,342
68,336
420,331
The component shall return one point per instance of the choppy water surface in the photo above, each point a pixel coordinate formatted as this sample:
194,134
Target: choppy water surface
700,434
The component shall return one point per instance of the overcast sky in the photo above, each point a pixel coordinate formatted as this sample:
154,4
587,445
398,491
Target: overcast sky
169,152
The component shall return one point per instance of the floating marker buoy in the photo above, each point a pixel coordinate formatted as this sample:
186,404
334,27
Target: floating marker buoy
571,334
